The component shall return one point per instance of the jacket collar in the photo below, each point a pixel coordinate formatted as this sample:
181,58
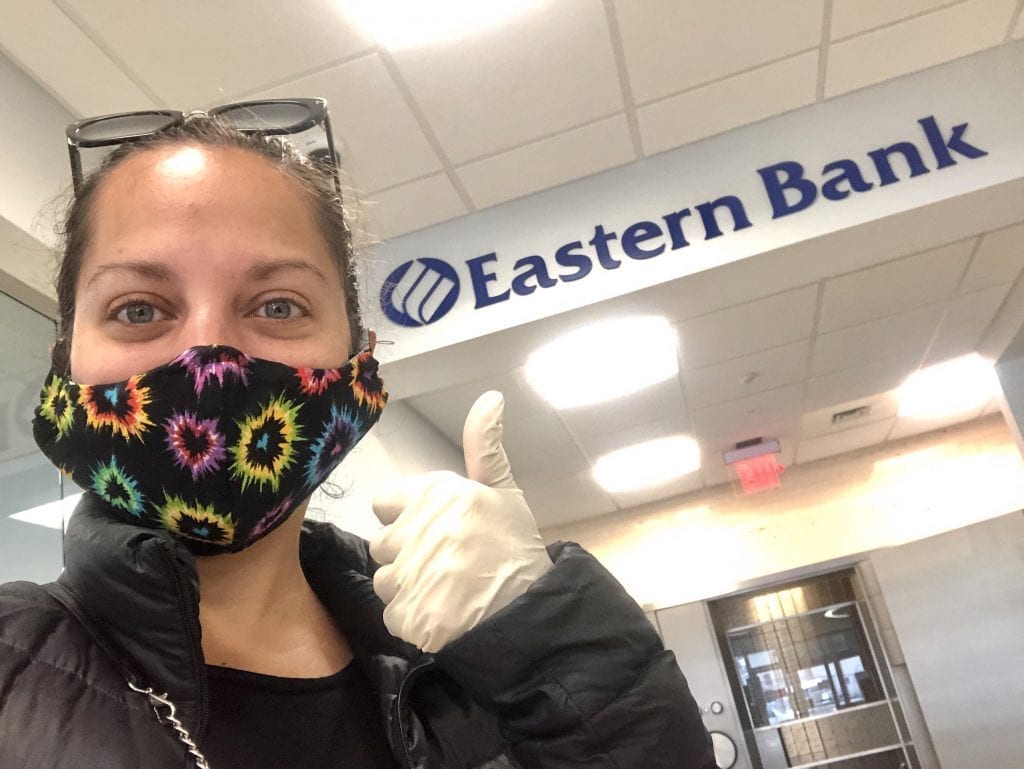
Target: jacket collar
139,590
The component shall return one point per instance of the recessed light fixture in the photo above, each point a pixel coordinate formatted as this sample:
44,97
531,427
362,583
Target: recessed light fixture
397,24
648,464
957,386
604,360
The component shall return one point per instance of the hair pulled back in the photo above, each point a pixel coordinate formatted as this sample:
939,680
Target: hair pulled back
204,131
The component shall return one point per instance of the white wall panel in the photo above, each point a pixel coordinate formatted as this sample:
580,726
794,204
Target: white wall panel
957,605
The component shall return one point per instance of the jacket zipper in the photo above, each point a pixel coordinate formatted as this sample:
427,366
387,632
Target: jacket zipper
403,690
191,623
67,599
157,701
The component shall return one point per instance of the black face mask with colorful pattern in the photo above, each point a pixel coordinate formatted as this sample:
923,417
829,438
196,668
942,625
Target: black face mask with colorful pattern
216,447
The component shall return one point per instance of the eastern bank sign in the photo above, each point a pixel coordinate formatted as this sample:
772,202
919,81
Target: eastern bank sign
901,145
422,291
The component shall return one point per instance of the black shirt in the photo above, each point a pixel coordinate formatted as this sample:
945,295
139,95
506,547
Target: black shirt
267,722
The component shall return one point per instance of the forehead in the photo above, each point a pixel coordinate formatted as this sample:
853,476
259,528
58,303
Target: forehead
222,205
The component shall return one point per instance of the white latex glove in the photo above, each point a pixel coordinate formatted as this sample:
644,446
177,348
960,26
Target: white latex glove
456,550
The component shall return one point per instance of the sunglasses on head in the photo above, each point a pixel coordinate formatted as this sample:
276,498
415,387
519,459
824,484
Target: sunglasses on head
264,117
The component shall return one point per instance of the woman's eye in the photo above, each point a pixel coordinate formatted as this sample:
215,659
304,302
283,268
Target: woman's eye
279,309
139,312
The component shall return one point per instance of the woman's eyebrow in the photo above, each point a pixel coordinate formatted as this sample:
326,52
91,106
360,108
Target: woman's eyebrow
265,270
149,270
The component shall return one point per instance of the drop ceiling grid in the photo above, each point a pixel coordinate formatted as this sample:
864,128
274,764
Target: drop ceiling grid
426,197
377,133
535,81
795,408
231,46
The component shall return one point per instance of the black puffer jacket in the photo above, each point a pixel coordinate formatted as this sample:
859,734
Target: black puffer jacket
569,675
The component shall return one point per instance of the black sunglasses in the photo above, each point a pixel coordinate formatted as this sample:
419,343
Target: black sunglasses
266,117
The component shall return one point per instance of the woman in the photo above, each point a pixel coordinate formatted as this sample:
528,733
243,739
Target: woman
206,295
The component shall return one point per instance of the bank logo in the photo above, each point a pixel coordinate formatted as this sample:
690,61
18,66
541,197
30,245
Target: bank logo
419,292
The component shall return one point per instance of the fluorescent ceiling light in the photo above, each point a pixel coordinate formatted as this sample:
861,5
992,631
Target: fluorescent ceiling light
53,515
958,386
603,361
648,464
397,24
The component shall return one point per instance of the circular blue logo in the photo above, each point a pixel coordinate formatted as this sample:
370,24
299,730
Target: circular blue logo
419,292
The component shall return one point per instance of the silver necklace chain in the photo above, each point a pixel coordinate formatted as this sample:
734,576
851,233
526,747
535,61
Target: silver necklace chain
169,718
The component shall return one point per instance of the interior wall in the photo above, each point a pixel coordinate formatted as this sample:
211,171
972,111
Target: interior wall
714,543
689,632
957,607
27,478
33,150
893,651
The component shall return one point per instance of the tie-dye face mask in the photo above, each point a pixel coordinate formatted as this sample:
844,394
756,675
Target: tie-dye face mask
216,447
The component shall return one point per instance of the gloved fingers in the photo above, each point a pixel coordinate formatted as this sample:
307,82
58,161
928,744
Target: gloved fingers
486,461
386,583
408,508
383,549
389,503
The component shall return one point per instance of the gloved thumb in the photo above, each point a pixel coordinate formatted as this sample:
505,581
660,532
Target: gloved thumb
486,462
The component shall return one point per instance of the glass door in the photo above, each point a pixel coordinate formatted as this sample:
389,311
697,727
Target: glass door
810,673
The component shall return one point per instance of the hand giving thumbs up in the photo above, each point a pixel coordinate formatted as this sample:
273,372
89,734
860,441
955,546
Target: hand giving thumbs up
454,550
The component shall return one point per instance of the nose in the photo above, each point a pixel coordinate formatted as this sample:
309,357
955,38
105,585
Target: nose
211,325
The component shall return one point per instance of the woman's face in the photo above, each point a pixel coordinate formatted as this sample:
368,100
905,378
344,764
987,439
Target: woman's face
199,246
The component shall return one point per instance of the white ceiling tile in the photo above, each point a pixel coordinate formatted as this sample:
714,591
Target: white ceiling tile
967,319
999,259
662,402
841,442
902,336
724,381
569,499
541,451
729,103
56,52
596,445
958,30
671,45
447,409
196,53
413,206
380,142
907,426
863,382
850,17
532,77
549,162
890,288
819,422
673,488
735,416
742,329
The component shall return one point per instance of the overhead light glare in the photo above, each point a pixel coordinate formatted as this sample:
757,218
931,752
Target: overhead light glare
958,386
186,163
397,24
604,360
648,464
52,515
